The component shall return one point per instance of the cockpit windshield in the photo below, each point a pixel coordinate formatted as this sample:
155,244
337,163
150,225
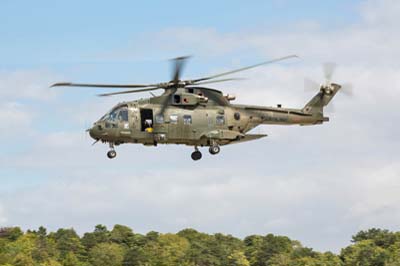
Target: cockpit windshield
119,113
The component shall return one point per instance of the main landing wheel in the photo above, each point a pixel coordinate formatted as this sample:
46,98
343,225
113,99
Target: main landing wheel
214,149
196,155
111,154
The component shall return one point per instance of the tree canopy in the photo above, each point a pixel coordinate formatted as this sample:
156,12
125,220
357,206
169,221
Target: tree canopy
121,246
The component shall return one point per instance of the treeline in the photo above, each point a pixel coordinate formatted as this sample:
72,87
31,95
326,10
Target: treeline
122,247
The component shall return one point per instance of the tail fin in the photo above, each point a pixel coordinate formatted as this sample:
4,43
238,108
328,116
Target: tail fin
318,102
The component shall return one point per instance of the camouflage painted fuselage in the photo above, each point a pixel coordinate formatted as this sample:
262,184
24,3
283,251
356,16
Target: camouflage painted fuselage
195,116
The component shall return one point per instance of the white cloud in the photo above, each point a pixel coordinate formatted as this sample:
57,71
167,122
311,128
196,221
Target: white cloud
16,119
381,12
220,199
377,195
369,42
27,84
19,91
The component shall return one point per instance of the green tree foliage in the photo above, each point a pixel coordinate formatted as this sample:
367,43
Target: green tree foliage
122,247
168,250
365,253
20,251
45,248
53,262
122,235
237,258
200,251
99,235
252,248
106,254
381,238
135,257
13,233
272,245
67,241
23,260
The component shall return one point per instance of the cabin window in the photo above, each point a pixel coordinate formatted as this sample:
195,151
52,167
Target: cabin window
187,119
173,119
220,120
237,116
177,98
159,119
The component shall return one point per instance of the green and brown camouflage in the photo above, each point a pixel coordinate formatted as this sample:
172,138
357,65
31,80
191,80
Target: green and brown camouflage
197,121
196,116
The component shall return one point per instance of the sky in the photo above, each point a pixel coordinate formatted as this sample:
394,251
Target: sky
318,184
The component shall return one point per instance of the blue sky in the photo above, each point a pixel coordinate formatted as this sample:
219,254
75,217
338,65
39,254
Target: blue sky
315,184
51,33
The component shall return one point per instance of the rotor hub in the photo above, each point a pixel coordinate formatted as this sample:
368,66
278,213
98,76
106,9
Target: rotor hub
327,89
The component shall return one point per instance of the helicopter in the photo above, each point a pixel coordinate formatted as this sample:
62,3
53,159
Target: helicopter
189,113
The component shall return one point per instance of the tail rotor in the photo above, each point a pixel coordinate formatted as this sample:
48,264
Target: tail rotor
328,87
327,90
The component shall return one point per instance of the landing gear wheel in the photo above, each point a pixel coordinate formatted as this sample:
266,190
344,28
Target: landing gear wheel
111,154
196,155
214,149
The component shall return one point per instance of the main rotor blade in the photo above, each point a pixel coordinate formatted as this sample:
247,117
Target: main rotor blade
311,85
244,68
179,64
69,84
130,91
218,80
166,100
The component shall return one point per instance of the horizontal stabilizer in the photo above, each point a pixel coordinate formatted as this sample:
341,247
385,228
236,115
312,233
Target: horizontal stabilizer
249,137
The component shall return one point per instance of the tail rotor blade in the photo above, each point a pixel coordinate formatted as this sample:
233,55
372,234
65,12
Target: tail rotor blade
347,89
329,69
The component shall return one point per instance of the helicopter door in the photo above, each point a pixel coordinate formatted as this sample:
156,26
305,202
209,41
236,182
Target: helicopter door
146,119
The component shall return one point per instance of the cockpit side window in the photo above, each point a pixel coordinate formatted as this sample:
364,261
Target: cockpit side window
117,114
123,115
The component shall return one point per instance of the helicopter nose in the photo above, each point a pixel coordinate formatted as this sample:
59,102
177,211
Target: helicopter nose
94,131
91,132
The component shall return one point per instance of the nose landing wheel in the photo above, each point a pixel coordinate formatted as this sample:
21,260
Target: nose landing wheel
196,155
112,153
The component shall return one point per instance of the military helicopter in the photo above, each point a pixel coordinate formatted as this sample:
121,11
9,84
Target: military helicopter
191,114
